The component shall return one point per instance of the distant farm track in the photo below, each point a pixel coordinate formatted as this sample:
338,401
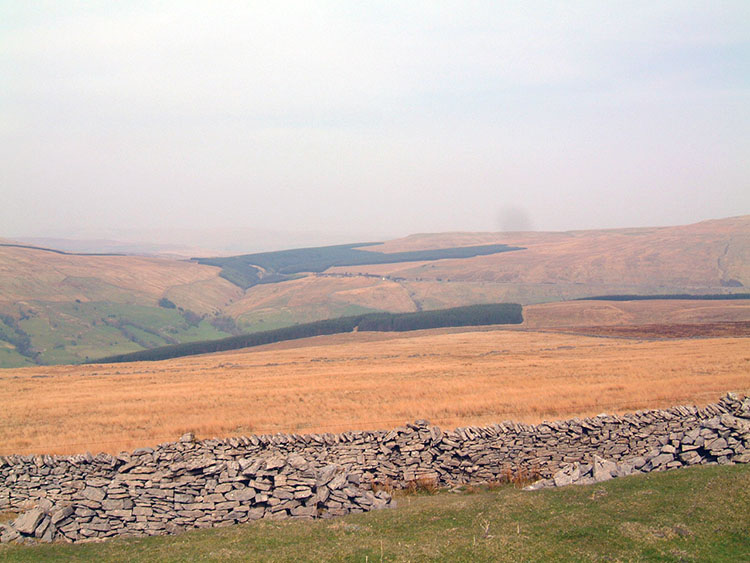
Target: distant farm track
361,381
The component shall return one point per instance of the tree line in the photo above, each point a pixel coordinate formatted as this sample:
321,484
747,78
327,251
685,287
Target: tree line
471,315
627,297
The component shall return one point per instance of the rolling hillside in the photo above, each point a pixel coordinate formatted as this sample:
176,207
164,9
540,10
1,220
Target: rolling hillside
58,308
711,254
708,257
573,314
62,308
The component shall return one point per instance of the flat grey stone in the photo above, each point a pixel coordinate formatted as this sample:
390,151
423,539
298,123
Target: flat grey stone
603,469
241,495
119,504
661,459
94,494
567,476
61,514
8,534
27,522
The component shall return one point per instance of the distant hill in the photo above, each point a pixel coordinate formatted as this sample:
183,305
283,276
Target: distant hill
273,267
61,308
108,246
69,307
711,254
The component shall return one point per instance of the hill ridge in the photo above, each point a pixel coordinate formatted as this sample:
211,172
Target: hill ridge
71,306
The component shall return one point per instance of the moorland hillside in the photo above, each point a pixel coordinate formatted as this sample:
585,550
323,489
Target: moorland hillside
708,257
710,254
59,307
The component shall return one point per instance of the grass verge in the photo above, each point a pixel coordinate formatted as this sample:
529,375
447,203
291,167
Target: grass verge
697,514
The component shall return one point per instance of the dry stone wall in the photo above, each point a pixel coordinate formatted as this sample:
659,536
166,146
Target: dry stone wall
215,482
164,491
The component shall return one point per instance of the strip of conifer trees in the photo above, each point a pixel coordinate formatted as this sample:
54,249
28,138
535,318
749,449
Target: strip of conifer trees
472,315
707,297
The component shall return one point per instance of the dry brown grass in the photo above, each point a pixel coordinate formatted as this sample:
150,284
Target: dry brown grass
322,295
422,485
360,381
661,331
598,261
518,477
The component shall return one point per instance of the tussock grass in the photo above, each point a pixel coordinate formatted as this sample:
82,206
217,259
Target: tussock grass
424,485
696,514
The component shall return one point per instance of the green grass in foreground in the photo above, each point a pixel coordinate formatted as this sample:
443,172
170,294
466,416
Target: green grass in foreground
698,514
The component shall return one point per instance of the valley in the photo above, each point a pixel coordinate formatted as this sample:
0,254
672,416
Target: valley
358,281
67,308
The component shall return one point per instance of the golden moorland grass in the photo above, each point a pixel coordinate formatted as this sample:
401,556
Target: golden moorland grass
361,381
688,256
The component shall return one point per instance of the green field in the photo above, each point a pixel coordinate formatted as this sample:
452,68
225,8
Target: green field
10,358
696,514
75,332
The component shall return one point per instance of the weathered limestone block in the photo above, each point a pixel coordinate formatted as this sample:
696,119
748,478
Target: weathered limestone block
567,475
241,495
27,522
94,494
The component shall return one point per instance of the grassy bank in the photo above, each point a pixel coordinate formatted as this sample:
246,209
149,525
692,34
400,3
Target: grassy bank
698,514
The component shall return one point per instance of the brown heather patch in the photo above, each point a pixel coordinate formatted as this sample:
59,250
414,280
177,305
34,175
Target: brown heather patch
664,314
423,485
519,477
353,381
657,331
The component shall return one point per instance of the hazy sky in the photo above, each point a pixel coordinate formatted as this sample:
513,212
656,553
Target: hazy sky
371,118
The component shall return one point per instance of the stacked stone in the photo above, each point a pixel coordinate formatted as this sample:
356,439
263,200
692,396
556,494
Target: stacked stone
150,499
189,483
723,440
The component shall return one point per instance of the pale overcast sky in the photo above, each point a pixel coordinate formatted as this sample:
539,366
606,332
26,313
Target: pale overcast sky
371,118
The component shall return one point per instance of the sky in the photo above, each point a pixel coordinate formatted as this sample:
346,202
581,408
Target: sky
342,121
